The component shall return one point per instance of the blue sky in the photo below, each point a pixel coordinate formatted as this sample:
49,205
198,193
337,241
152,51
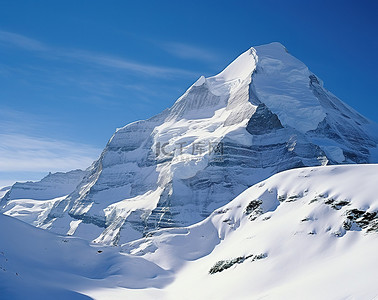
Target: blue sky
71,72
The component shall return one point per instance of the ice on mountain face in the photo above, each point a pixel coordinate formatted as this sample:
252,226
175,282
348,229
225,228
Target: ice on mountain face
266,112
282,82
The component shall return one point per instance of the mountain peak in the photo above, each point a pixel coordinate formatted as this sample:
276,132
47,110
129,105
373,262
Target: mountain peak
242,67
279,80
264,113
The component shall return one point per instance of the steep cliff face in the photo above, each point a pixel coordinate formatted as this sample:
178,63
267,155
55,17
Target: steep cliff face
265,113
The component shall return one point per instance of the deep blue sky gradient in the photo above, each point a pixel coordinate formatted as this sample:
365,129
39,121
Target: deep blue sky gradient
76,70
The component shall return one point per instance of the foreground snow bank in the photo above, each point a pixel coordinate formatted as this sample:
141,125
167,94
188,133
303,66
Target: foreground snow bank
308,233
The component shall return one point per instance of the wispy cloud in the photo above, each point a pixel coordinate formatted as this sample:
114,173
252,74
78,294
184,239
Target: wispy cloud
189,51
34,154
103,60
21,41
123,64
12,121
24,155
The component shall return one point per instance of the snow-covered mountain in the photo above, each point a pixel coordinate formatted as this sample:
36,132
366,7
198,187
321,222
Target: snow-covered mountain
265,113
4,190
308,233
53,185
31,202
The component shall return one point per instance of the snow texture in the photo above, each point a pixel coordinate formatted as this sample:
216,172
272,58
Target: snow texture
308,233
266,112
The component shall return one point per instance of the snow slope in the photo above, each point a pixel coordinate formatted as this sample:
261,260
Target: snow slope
31,202
37,264
265,113
308,233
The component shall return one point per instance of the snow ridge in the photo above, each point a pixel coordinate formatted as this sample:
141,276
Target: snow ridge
264,113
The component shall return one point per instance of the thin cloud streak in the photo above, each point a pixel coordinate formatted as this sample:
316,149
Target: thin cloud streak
186,51
26,43
21,41
122,64
25,153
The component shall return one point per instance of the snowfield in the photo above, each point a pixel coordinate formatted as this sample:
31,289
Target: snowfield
258,183
265,113
307,233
